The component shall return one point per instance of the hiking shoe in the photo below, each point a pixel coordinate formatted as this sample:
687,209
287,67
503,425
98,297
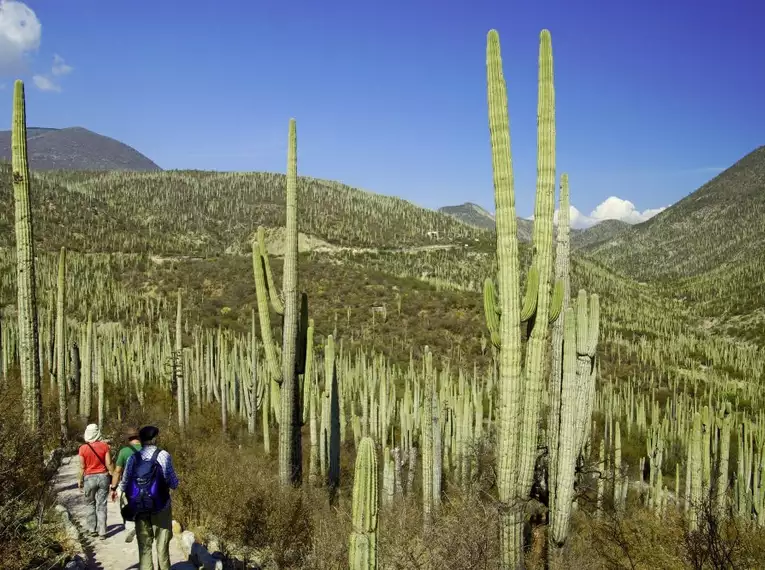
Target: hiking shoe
130,535
102,536
92,533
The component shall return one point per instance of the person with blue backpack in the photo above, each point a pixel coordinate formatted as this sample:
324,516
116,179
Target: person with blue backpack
146,482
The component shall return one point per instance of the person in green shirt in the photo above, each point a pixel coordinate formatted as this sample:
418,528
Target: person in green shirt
133,445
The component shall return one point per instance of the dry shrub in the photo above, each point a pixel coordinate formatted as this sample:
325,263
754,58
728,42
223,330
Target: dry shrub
463,535
641,540
30,531
636,540
233,493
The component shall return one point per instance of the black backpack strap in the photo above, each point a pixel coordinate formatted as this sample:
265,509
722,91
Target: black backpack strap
155,455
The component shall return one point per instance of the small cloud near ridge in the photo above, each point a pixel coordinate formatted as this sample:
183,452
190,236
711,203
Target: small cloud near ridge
612,208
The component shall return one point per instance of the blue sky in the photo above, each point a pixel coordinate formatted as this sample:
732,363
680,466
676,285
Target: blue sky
653,98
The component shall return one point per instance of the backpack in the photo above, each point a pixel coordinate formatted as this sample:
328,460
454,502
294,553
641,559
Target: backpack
147,490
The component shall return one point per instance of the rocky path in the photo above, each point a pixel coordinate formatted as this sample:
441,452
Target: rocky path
111,553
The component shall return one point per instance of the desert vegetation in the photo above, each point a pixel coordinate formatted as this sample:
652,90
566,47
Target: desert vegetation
341,387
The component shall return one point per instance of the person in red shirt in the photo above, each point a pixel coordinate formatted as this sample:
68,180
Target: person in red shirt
94,478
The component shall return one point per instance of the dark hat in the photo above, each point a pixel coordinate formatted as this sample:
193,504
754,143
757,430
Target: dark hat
148,433
132,433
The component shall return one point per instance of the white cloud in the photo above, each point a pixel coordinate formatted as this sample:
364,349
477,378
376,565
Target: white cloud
45,84
60,67
612,208
20,33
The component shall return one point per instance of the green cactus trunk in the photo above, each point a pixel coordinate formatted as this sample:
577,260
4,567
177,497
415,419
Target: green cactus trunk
61,347
426,426
28,339
86,384
362,553
290,461
556,375
520,390
178,379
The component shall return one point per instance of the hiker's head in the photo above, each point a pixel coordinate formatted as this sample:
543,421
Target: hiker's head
132,434
92,433
148,435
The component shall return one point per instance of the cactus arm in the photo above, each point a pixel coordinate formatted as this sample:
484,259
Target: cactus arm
273,292
272,359
491,311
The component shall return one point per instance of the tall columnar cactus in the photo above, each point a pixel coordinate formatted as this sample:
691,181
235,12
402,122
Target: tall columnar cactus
427,440
61,346
29,343
178,379
695,451
332,432
363,541
86,382
577,378
724,421
556,375
294,326
520,389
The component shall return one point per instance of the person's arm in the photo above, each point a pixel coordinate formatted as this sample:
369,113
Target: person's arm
169,472
109,464
127,474
116,476
81,472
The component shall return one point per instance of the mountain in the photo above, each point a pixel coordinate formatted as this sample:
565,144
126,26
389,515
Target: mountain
476,216
76,148
471,214
707,249
599,233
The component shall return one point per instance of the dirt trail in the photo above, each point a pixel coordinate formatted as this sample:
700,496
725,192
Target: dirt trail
111,553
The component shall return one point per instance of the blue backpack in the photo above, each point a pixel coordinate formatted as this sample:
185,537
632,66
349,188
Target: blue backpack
147,491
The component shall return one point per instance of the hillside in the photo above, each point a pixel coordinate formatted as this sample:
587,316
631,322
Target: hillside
76,148
707,249
211,213
601,232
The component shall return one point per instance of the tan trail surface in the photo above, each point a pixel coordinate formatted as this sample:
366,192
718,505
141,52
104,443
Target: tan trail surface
111,553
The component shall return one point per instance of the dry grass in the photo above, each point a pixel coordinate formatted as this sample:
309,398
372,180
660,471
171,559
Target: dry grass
30,533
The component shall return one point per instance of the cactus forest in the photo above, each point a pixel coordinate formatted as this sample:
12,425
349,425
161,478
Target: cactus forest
340,390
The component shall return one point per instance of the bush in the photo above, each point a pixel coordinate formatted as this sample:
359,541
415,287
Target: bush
30,533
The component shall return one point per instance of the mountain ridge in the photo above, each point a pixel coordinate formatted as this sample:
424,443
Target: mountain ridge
76,148
707,250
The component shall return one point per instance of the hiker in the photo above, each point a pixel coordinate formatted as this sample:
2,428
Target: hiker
133,445
147,480
94,477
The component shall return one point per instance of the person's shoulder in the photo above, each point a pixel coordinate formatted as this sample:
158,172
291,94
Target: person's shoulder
101,445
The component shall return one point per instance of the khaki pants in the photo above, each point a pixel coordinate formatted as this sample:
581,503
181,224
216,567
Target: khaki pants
96,489
157,527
